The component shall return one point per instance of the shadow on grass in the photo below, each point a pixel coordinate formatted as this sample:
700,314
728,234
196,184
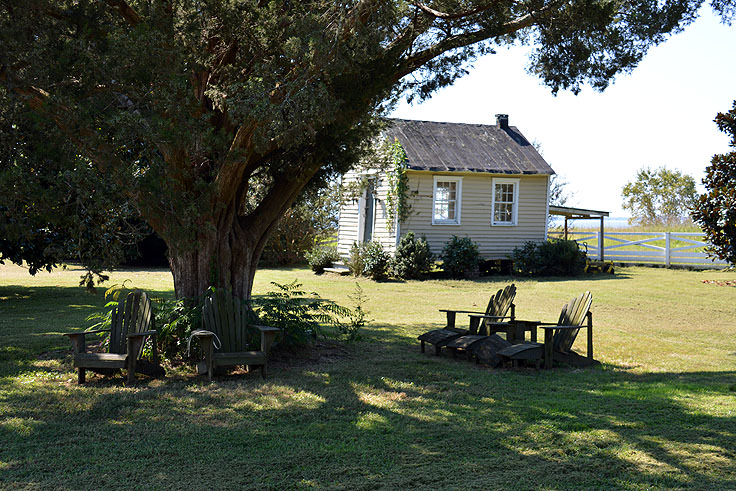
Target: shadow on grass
387,416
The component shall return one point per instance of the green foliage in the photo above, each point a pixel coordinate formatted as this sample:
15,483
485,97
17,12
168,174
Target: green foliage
715,210
54,206
397,197
175,321
660,197
376,261
412,258
356,261
556,257
300,314
312,219
322,257
369,259
356,317
460,257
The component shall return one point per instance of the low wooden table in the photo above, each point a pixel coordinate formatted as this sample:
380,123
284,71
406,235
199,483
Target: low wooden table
515,329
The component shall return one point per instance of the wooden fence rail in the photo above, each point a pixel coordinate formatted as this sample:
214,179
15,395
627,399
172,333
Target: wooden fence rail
668,248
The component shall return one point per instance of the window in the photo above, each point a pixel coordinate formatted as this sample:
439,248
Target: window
446,202
505,200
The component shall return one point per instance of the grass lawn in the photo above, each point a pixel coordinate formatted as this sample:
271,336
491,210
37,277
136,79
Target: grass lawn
659,414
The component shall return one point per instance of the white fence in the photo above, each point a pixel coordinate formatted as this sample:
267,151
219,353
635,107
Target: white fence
668,248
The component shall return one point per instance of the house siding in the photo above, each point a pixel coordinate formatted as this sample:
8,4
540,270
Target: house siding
350,219
494,242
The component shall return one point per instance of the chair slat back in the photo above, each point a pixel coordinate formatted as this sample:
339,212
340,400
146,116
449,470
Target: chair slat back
501,302
227,317
573,314
133,314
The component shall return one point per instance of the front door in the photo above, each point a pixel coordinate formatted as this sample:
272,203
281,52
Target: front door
370,210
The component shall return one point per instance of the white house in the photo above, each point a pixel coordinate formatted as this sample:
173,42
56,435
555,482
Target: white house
486,182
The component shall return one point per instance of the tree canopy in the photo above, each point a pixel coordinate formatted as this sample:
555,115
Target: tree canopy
715,210
208,118
660,197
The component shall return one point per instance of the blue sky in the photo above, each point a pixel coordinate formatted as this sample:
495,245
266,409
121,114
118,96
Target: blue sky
660,114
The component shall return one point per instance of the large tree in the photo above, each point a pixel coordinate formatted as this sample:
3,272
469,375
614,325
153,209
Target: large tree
660,197
210,117
715,210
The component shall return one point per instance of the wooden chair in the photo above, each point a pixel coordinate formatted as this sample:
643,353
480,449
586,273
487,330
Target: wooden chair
131,325
498,305
559,337
480,323
228,335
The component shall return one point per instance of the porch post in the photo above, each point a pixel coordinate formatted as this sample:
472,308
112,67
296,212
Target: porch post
601,240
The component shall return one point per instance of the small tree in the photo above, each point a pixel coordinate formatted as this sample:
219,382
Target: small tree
715,211
413,258
660,197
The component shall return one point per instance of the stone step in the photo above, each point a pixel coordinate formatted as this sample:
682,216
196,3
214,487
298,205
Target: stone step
338,268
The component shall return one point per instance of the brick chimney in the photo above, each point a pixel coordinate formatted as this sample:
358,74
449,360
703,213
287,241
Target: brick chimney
502,121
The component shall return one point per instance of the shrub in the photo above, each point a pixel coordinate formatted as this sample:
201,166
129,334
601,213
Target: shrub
356,318
376,261
460,257
298,313
369,259
412,258
356,262
557,257
526,258
322,257
175,321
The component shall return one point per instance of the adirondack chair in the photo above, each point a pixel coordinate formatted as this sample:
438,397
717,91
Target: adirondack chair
481,324
228,335
498,305
559,337
131,325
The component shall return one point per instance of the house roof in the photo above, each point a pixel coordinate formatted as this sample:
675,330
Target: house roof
459,147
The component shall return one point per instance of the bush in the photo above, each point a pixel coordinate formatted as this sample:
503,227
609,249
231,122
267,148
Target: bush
175,321
369,259
376,261
460,257
412,258
356,262
555,257
298,313
322,257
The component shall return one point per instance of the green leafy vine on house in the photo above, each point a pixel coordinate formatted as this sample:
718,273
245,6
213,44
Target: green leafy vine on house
397,196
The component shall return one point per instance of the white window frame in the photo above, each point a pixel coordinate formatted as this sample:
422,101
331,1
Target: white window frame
458,199
515,204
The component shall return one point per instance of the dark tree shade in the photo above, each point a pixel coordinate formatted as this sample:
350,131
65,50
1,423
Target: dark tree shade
209,118
715,211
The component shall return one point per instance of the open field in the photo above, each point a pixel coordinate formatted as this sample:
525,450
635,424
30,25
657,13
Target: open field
659,414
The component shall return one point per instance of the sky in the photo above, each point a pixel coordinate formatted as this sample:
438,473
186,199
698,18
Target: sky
660,114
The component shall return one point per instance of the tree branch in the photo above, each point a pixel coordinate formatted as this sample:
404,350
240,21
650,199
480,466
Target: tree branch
126,11
461,40
451,16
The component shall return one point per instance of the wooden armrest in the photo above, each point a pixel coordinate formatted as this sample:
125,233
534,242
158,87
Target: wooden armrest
203,334
141,334
550,327
265,329
483,316
81,333
463,311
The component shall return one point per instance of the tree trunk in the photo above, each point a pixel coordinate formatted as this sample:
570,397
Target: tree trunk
226,257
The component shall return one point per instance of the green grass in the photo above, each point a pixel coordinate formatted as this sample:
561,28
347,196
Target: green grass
659,414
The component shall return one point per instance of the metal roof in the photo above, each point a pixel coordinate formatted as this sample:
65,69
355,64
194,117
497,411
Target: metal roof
576,212
459,147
